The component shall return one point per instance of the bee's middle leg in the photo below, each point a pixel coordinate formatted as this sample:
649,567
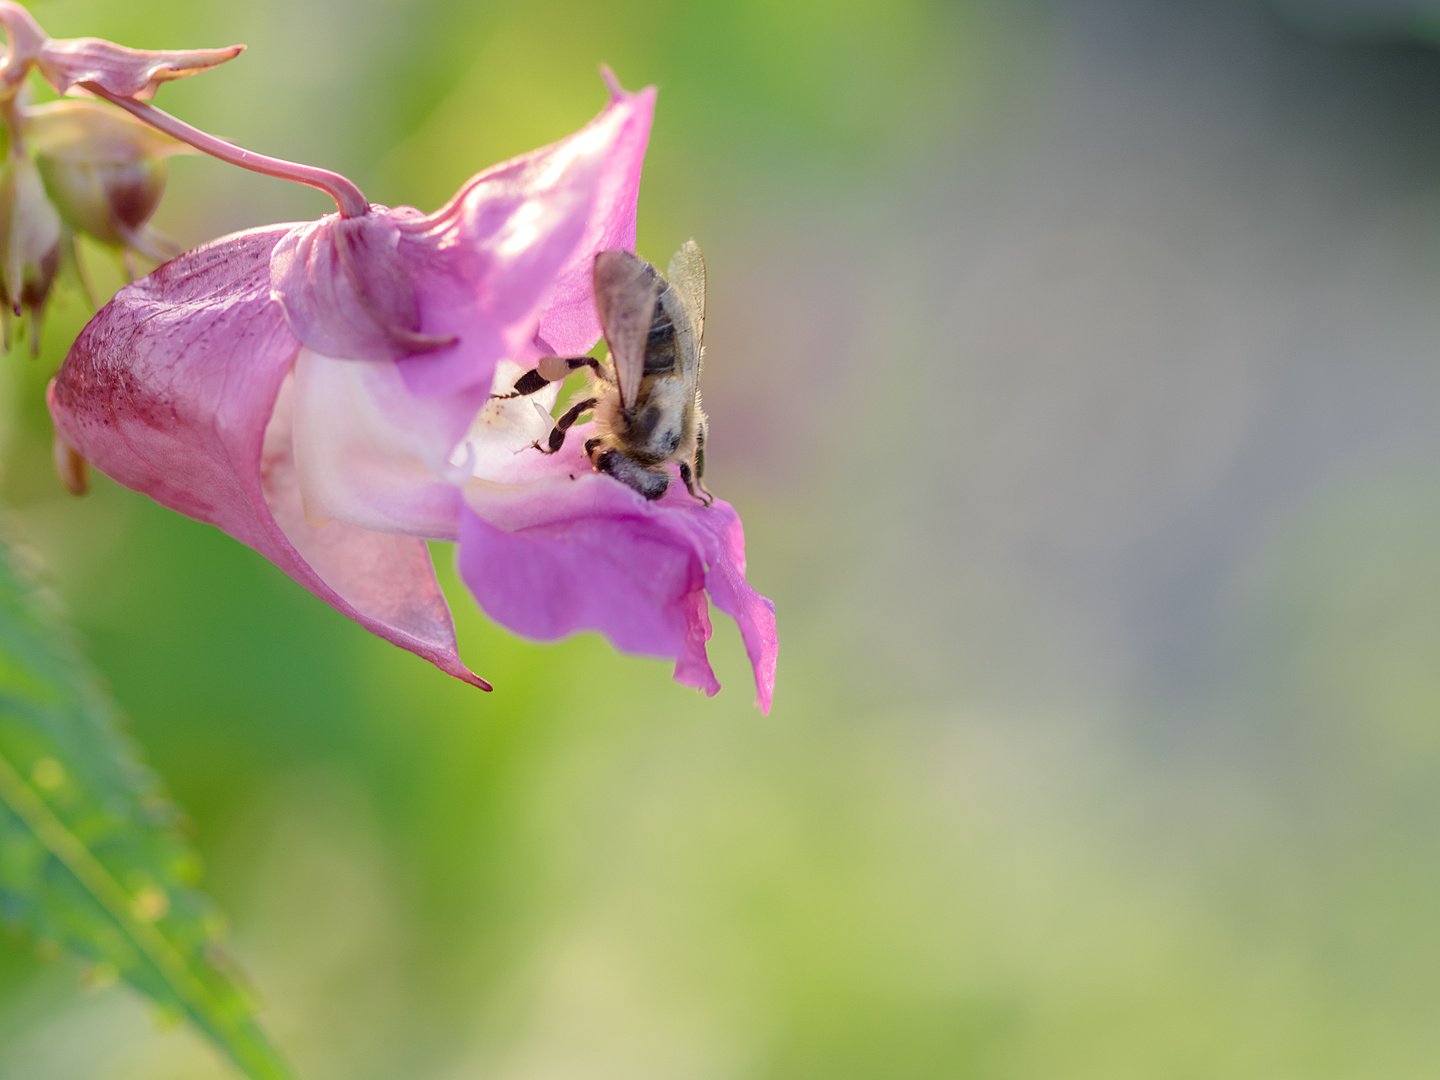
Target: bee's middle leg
566,421
696,484
693,485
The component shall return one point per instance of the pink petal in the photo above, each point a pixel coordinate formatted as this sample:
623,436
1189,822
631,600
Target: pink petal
510,254
365,451
569,325
174,389
562,549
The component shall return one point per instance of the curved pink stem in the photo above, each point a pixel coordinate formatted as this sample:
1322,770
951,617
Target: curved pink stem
349,198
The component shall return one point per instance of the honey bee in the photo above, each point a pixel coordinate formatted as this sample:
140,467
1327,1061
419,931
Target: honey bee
646,400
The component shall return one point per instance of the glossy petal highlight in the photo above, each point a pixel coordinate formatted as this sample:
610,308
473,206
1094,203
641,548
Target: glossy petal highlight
365,452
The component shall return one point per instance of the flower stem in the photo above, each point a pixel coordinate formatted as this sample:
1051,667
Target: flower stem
14,128
349,198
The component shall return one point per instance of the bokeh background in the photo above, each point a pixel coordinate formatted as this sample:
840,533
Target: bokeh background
1076,368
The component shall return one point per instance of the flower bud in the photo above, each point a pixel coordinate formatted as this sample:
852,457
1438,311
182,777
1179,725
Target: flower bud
111,202
104,170
30,234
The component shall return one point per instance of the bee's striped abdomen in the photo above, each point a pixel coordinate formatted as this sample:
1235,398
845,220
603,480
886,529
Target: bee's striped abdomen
660,344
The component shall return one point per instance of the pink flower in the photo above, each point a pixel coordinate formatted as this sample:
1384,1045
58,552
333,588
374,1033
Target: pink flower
322,392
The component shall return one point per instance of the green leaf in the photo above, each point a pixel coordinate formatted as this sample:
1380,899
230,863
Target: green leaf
90,856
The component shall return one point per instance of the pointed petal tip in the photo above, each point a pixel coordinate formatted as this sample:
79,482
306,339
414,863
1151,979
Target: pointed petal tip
695,673
476,681
611,82
618,92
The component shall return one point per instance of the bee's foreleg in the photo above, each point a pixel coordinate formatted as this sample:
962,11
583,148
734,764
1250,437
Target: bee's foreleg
552,369
566,421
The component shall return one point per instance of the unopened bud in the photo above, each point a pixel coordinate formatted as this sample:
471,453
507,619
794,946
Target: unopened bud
104,170
110,203
29,237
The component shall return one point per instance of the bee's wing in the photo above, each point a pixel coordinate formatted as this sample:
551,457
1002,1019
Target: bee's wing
626,288
687,273
687,292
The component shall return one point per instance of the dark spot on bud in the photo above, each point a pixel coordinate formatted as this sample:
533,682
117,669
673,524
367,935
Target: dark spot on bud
133,194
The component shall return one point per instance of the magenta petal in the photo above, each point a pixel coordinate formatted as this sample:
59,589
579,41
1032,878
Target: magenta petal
558,555
511,253
569,324
366,450
170,390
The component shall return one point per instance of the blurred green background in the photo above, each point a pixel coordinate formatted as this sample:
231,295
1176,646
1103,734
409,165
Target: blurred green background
1076,369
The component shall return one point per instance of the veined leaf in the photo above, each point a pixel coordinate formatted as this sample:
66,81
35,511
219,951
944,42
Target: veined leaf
90,857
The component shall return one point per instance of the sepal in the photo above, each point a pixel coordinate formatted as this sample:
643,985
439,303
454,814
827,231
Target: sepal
68,62
346,291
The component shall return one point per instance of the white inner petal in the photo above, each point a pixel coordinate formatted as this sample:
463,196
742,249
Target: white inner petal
370,453
379,468
505,427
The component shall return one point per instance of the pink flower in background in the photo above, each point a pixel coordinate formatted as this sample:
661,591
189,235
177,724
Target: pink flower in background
322,392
